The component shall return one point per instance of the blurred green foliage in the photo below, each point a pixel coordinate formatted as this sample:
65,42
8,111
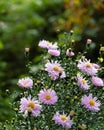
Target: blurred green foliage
24,22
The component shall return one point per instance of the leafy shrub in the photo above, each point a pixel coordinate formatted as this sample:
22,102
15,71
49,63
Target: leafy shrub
66,92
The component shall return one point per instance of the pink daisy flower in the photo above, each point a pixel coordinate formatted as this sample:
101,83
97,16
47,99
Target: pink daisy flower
91,103
28,105
88,67
48,96
82,82
47,45
55,70
54,52
69,53
25,82
63,120
97,81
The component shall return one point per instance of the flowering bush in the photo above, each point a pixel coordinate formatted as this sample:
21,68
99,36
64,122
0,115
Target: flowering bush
65,93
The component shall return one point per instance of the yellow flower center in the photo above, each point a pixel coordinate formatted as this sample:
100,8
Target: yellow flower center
83,81
25,83
57,68
47,97
92,102
48,44
88,65
31,105
64,118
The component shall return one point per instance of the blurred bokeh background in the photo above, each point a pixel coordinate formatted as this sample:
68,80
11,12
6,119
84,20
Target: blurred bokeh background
23,23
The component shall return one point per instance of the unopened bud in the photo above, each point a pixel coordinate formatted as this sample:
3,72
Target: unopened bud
72,40
71,31
47,60
26,94
21,94
89,41
27,49
4,126
24,116
102,48
75,97
38,81
71,112
16,109
42,68
36,84
101,59
83,57
67,97
7,91
46,87
83,126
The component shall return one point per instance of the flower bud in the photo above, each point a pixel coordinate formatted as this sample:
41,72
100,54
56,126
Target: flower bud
16,109
89,41
75,97
83,126
46,87
7,91
26,94
101,59
71,112
67,97
27,49
38,81
72,40
35,128
71,31
102,48
4,126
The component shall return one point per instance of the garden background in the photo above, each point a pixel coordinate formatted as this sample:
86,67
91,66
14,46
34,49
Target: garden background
23,23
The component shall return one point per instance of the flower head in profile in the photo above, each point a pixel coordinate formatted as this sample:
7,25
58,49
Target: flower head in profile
25,82
63,120
97,81
82,82
54,52
96,66
48,96
47,45
88,67
28,105
69,52
91,103
55,70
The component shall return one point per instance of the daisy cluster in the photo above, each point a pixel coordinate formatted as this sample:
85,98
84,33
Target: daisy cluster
61,91
91,70
52,48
